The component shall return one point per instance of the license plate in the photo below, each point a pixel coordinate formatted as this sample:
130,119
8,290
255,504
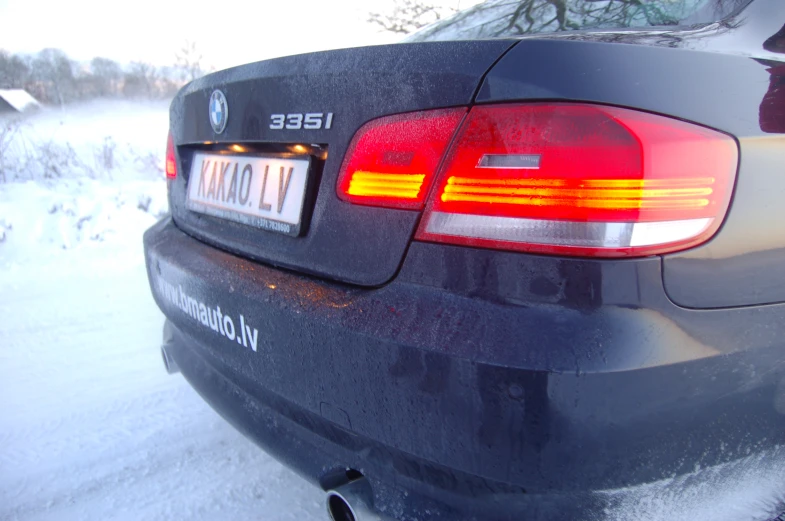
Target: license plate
267,192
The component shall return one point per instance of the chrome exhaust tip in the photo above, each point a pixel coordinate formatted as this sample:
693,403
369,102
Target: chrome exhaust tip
169,364
352,502
338,508
168,339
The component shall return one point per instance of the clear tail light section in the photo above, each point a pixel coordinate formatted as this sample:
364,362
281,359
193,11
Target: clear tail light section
392,161
585,180
171,159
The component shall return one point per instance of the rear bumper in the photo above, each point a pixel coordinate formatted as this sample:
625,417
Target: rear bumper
476,404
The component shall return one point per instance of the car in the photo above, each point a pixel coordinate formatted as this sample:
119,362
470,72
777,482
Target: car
527,264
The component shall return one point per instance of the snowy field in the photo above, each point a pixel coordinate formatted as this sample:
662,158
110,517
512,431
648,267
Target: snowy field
91,426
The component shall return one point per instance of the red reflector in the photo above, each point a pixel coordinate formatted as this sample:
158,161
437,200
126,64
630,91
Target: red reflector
392,160
581,180
171,159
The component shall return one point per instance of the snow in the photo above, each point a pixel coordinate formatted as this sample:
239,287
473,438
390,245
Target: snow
97,140
91,426
38,220
748,489
141,125
19,99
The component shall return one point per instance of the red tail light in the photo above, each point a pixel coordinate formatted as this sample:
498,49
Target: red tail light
171,159
580,180
392,160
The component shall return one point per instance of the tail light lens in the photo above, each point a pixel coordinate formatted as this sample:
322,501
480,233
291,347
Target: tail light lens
171,159
392,160
580,180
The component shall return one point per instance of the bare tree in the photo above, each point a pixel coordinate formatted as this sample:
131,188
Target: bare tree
54,70
106,75
140,80
189,60
169,81
51,77
14,71
406,16
502,18
8,129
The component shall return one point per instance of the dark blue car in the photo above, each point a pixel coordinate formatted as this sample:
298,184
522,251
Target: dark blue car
528,265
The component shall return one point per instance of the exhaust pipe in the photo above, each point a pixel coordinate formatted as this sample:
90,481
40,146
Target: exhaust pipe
352,502
168,339
169,364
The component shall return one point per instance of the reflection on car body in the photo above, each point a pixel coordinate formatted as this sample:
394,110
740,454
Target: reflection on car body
534,271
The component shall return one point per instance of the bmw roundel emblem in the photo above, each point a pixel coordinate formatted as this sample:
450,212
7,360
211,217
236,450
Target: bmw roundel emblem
219,111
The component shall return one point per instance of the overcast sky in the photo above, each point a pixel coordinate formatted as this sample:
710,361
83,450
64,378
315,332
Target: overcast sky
227,33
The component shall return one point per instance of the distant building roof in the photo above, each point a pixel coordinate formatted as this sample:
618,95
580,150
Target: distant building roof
18,99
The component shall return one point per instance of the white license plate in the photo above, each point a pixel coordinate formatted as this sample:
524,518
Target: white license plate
267,192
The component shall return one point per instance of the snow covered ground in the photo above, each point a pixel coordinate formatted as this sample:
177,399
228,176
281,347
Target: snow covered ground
91,427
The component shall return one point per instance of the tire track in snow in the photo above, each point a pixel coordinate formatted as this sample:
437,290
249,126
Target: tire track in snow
93,428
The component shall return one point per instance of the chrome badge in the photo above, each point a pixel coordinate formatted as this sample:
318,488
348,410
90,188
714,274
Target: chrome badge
219,111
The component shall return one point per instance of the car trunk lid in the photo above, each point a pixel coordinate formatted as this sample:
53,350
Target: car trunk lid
351,243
